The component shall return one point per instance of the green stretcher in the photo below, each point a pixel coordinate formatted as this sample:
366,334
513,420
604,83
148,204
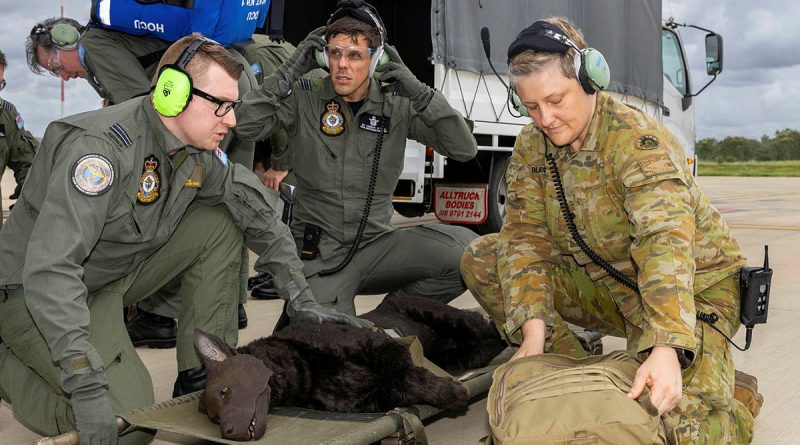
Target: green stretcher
299,426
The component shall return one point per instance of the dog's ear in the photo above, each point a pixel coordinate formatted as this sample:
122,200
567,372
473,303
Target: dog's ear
211,348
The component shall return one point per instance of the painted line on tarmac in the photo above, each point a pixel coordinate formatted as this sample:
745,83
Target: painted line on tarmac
750,197
763,227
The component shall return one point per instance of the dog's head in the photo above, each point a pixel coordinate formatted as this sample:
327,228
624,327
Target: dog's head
237,389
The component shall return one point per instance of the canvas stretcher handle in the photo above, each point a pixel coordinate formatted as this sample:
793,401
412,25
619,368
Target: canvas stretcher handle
71,437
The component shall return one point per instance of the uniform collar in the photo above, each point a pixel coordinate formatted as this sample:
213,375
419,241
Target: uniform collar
597,132
164,138
374,94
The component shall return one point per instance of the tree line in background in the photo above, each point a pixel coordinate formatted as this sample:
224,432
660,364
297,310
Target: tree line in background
784,146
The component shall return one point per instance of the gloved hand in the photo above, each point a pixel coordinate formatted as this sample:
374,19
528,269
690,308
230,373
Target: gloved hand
96,422
304,308
17,191
402,80
302,61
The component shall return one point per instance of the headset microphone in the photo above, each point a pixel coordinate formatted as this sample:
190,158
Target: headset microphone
487,50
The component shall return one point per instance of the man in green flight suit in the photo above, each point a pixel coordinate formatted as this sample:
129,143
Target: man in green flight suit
120,201
606,228
120,66
17,145
347,136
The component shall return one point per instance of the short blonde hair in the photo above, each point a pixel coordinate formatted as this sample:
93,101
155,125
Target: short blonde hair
529,61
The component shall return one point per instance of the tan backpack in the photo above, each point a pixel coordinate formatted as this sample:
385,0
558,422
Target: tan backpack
557,400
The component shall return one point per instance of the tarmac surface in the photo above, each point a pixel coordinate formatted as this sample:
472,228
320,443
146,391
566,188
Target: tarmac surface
759,210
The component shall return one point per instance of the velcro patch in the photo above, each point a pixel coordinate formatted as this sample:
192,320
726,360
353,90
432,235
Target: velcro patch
221,156
92,175
657,164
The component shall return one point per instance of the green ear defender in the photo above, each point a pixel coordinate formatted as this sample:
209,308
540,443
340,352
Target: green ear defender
64,36
517,103
173,90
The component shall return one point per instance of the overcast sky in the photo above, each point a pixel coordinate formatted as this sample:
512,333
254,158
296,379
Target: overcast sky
757,93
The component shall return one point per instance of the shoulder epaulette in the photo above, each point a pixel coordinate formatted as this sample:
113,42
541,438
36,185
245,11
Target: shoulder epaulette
119,135
6,104
306,84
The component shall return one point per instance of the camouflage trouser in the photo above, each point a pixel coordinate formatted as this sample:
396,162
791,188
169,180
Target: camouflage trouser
708,412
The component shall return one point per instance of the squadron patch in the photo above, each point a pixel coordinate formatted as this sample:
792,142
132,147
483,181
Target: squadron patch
332,119
20,122
647,142
150,187
92,175
657,164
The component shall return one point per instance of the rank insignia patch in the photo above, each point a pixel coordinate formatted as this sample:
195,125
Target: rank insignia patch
332,119
150,187
647,142
92,175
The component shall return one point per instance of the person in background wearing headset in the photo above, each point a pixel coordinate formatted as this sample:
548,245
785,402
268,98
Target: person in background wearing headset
347,137
631,198
121,66
17,145
123,200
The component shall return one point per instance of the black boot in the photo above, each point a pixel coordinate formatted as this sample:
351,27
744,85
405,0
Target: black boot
242,317
152,330
262,287
189,381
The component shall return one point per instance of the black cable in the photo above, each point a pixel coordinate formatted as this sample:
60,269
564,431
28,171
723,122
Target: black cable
362,225
709,319
712,318
573,229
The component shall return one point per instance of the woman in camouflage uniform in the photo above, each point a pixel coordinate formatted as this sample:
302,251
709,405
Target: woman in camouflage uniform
634,202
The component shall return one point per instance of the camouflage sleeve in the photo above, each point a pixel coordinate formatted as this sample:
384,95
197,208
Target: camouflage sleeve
660,209
525,251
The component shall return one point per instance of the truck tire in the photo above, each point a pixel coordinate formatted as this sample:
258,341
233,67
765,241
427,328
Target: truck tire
495,205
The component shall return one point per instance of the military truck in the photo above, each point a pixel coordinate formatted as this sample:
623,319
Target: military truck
440,41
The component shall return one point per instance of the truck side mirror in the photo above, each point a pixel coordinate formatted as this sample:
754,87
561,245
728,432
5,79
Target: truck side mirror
713,54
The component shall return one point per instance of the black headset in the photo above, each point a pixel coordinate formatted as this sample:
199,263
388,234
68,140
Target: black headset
591,68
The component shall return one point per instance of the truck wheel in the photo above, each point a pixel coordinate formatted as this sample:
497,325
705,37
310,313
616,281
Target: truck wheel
409,210
497,197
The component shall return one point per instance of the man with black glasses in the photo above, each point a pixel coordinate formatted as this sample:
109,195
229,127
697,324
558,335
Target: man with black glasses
121,201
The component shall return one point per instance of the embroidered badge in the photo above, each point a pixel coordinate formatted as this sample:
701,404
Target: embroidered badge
221,156
196,180
150,187
657,164
647,142
374,124
92,175
332,120
20,122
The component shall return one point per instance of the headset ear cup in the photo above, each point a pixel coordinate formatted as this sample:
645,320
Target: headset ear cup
172,92
596,70
380,57
517,103
64,36
580,73
322,59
